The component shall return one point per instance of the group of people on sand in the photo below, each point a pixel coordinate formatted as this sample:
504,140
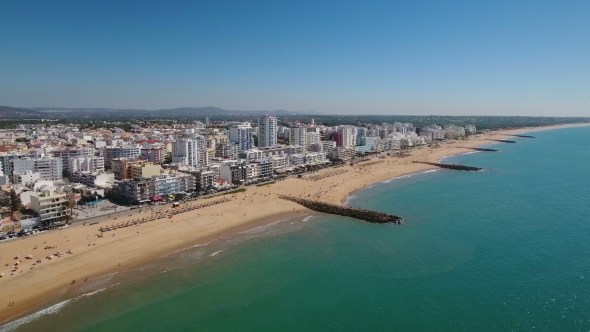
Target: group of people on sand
198,206
163,214
326,174
17,266
154,216
73,282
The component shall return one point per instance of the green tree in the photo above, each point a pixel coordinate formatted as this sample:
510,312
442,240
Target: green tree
15,202
71,205
65,173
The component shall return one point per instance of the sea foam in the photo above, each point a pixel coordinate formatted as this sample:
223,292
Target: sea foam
54,309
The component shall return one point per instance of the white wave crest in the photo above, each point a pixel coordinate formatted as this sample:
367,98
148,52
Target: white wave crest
215,253
54,309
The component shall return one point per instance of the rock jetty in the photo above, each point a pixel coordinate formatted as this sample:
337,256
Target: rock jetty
524,136
502,140
451,166
345,211
479,149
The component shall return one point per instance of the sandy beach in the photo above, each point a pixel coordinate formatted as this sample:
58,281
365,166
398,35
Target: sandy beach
92,256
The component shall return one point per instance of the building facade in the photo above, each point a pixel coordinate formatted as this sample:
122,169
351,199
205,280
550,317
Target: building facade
113,152
267,131
190,151
67,154
242,135
48,168
297,136
50,205
85,164
153,155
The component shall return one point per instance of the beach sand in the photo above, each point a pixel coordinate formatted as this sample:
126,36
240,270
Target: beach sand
138,244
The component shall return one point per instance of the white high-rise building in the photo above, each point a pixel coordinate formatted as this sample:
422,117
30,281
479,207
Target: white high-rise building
241,134
69,153
297,136
86,164
348,134
190,151
267,131
127,151
310,138
48,168
8,158
361,136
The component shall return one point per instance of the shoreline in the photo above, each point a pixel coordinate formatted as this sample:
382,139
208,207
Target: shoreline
34,289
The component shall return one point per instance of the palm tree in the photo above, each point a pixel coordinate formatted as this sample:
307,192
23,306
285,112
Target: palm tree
68,219
70,205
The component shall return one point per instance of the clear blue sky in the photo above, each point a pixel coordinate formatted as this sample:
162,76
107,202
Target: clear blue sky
380,57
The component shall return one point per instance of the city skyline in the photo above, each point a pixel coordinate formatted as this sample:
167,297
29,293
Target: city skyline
527,58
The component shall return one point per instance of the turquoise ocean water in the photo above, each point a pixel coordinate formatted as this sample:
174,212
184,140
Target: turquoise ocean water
507,249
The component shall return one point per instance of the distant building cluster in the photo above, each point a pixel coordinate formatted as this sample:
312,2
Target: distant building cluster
47,165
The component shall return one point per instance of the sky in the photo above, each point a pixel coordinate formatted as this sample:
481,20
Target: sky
342,57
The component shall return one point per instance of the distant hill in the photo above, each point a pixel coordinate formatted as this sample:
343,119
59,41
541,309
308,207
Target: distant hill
180,112
7,112
210,110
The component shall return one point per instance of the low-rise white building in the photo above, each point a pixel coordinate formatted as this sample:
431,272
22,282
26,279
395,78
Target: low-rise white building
26,178
94,179
297,159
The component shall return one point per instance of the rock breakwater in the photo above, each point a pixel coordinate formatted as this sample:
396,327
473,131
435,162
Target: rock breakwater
451,166
345,211
502,140
479,149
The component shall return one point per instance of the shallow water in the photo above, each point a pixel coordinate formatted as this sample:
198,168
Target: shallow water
504,249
